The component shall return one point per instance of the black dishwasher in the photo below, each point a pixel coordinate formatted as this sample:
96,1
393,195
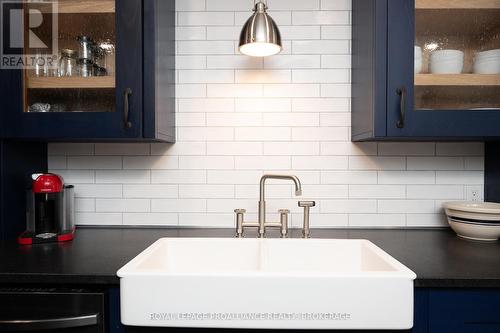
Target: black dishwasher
51,310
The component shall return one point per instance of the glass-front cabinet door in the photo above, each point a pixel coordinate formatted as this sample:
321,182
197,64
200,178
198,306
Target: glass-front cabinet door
82,71
444,68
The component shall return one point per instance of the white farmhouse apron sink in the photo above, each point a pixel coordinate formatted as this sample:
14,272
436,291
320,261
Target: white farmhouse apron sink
266,283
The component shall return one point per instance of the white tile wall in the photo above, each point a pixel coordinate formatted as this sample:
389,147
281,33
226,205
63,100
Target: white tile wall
239,117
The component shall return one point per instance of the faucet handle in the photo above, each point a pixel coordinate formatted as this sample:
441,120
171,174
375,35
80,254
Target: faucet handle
284,222
307,206
239,221
307,203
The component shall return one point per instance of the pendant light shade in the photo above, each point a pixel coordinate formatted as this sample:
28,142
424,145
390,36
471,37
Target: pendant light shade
260,36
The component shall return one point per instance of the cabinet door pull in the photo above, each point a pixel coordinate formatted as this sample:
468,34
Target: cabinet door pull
402,107
126,108
49,324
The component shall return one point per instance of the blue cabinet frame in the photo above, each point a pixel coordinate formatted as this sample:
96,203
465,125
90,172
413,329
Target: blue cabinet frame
138,30
383,82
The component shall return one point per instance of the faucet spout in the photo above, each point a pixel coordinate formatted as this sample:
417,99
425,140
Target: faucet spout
262,198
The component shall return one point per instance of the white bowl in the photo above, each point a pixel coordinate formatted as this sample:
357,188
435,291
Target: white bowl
447,54
447,67
489,53
478,232
487,66
474,207
474,220
418,65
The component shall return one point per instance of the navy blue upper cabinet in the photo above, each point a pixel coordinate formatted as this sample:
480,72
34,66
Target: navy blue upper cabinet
421,70
109,78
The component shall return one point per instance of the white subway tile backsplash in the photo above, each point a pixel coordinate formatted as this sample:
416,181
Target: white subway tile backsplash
320,134
435,163
178,205
122,205
263,76
178,176
123,176
291,148
260,105
406,148
377,191
205,18
70,149
189,5
98,191
262,162
460,177
377,220
206,76
233,176
179,148
263,134
233,62
376,163
452,192
150,191
150,162
206,191
92,162
199,105
405,206
349,206
240,117
234,148
336,61
191,33
191,62
460,148
98,219
150,219
406,177
119,149
206,162
205,47
321,75
234,90
292,61
349,177
334,17
336,4
319,162
320,47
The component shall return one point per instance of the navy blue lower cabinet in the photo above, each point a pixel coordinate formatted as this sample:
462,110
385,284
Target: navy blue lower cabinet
121,90
400,93
457,310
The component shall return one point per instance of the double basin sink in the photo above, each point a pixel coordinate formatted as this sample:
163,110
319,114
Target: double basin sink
267,284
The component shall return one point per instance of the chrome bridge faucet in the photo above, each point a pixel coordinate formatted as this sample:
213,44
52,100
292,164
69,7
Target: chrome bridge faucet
262,224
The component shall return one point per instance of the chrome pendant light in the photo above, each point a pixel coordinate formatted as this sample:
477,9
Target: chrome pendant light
260,36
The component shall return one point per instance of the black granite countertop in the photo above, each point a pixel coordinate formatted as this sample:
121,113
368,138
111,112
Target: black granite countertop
438,257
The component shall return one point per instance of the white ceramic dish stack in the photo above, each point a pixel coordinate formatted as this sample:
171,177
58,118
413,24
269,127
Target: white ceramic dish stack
474,220
487,62
447,62
418,59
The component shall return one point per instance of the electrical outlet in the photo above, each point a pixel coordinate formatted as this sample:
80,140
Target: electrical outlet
474,193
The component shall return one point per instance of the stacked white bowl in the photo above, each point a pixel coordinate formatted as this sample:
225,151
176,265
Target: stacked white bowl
418,59
447,62
487,62
474,220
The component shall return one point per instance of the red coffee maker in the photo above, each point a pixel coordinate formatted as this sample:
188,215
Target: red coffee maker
49,211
